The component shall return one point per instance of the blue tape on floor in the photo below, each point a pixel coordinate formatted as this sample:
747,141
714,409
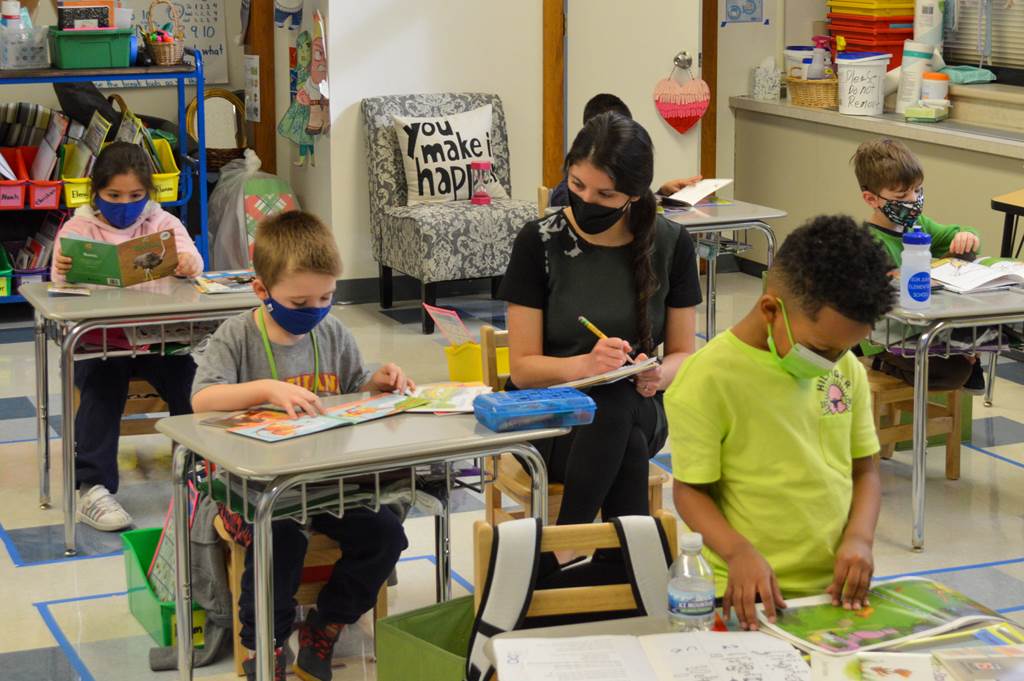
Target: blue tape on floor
955,568
62,641
981,450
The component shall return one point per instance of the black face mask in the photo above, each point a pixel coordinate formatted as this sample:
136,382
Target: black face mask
593,218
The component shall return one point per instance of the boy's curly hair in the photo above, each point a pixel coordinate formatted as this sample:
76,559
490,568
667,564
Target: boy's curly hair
833,261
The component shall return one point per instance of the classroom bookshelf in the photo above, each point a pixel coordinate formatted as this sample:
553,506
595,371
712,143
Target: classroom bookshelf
193,170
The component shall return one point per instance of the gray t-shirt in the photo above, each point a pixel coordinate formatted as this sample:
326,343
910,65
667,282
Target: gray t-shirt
235,354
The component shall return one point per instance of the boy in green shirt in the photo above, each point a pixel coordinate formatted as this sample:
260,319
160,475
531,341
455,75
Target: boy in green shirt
772,433
892,184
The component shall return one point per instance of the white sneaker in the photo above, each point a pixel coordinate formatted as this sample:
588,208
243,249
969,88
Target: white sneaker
98,508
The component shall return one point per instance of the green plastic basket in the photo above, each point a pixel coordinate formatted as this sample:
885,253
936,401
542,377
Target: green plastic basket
155,616
6,273
428,644
84,49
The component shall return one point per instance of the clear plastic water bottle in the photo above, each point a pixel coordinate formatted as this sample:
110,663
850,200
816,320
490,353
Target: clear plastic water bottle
691,588
916,270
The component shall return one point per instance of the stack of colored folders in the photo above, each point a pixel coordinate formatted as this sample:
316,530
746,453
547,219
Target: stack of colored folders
872,26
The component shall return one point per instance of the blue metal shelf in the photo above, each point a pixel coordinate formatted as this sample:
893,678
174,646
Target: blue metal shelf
196,178
11,299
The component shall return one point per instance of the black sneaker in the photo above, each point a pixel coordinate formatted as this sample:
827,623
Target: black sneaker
316,646
975,384
280,666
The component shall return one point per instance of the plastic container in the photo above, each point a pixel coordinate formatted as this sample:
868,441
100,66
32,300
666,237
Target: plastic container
10,14
917,59
538,408
42,194
691,587
868,23
916,270
428,644
12,192
862,83
155,616
816,71
873,8
90,49
6,283
935,86
24,48
465,363
22,277
794,56
78,190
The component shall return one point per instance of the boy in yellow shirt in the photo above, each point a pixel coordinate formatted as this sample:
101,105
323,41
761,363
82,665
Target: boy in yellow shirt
771,429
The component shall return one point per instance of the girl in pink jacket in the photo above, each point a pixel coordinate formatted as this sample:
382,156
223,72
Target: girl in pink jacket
120,210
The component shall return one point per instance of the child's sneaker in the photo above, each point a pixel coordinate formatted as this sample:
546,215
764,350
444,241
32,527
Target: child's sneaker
280,666
98,508
316,646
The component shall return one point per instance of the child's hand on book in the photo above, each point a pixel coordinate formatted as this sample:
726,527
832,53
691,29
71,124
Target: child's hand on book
608,354
672,186
751,576
648,382
964,242
294,399
853,569
189,265
63,263
390,378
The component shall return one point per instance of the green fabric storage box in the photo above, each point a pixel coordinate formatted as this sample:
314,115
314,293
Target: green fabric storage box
429,644
84,49
155,616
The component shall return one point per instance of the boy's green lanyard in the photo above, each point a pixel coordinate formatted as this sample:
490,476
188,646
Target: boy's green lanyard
273,364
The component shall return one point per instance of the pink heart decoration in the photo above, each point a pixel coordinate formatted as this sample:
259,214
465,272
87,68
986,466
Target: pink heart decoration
682,105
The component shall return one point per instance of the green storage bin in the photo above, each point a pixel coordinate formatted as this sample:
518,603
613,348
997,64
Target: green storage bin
429,644
966,421
155,616
83,49
6,274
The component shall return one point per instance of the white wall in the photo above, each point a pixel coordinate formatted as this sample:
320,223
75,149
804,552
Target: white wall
406,46
625,48
155,101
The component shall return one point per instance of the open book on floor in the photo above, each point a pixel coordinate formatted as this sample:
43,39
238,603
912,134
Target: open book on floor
901,610
705,656
625,371
984,274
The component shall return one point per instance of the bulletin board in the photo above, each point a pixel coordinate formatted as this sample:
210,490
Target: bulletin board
204,26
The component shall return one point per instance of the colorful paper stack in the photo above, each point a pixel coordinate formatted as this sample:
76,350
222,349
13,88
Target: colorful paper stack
871,26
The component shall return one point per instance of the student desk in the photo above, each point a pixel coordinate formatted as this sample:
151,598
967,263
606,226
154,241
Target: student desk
65,319
726,217
388,444
948,311
1012,205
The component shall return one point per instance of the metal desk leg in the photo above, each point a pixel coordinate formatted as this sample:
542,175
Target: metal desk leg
712,275
182,563
67,440
921,432
263,580
42,412
990,386
1006,248
538,480
442,540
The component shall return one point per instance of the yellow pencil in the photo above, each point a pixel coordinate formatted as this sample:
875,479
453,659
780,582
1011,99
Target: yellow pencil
597,332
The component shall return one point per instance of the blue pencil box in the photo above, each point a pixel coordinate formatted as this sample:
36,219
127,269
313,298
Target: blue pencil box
537,408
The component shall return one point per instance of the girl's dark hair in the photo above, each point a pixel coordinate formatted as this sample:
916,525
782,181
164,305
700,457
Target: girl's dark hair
620,147
121,158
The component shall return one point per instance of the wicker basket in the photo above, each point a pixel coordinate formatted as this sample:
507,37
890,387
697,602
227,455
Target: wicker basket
817,94
217,158
166,54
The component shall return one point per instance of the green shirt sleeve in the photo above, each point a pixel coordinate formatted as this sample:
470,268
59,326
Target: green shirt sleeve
695,426
942,235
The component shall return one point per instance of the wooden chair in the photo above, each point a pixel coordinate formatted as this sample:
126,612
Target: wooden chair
543,200
321,555
142,399
890,397
582,539
510,478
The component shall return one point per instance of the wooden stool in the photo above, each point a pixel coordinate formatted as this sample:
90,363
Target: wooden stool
321,555
890,397
142,399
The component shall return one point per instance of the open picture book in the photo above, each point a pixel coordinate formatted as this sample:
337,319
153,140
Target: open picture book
448,398
984,274
701,656
233,281
900,611
146,258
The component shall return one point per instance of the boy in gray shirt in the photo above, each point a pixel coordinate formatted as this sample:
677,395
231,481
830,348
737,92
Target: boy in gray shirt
289,352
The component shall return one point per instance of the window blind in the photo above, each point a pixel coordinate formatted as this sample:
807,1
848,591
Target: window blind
961,45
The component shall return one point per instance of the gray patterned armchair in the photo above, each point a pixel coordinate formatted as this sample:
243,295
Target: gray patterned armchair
436,242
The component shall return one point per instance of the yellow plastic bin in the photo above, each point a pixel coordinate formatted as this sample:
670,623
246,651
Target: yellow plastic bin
78,190
465,363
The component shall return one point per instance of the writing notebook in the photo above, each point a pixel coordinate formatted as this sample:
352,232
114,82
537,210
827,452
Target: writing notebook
625,371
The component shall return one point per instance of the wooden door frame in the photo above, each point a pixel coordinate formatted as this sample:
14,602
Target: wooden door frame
553,135
259,40
709,73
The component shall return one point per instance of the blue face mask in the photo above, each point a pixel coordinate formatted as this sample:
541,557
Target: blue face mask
121,215
296,321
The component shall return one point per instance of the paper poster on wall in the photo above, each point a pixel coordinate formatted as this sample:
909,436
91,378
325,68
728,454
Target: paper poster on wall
204,27
742,12
308,115
252,88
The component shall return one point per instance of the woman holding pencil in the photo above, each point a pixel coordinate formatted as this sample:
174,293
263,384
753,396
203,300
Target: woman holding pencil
632,275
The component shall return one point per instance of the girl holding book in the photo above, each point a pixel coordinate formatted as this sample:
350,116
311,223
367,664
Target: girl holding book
120,210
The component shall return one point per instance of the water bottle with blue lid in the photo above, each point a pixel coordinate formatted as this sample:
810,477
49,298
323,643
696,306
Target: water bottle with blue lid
916,270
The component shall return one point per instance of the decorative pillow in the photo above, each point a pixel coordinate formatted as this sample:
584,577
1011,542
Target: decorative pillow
437,153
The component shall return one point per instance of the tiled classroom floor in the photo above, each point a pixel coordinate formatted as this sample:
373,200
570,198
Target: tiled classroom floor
68,619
